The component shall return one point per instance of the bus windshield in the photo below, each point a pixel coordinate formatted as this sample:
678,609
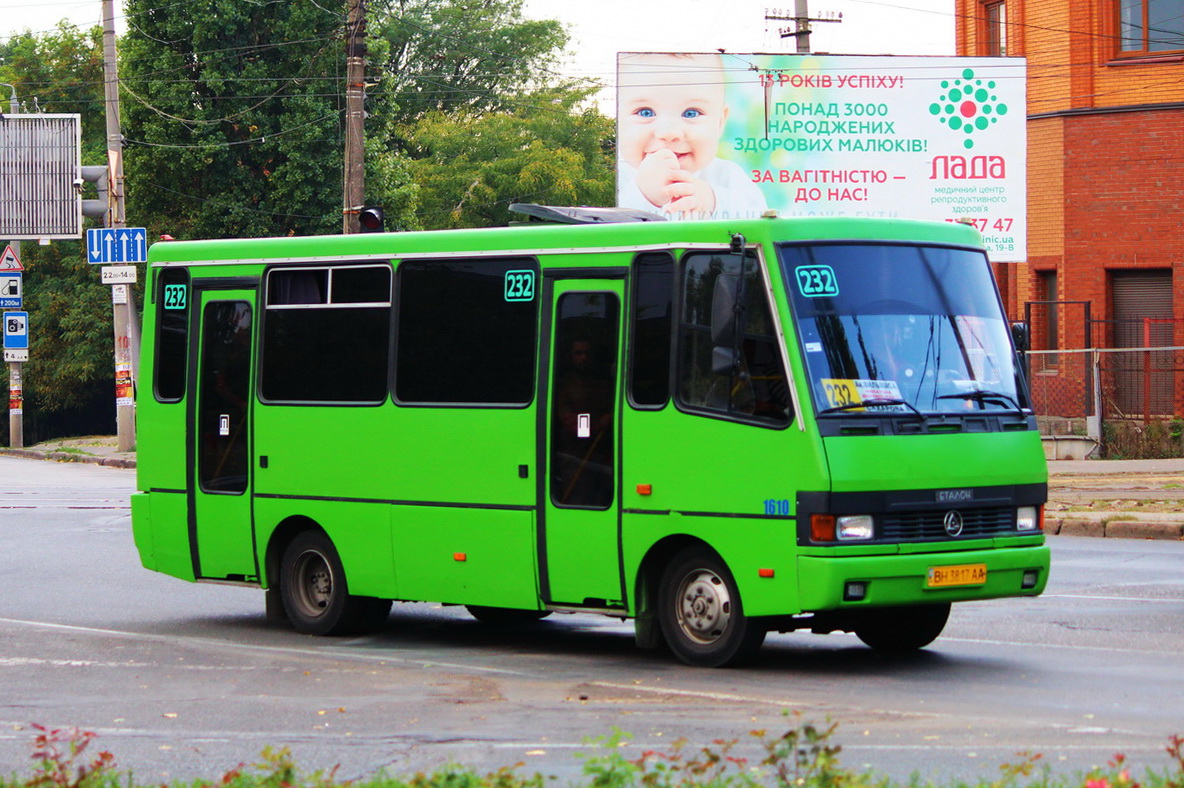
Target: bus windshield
900,329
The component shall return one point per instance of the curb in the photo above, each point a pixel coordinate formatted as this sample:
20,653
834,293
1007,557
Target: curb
65,456
1116,528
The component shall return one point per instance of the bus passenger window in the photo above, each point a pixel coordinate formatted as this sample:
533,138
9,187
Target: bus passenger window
756,389
338,316
172,334
467,332
583,400
653,319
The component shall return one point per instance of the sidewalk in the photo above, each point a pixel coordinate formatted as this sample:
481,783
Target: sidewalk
98,450
1133,499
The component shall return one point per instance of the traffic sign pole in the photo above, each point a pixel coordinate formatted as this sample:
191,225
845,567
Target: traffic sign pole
16,397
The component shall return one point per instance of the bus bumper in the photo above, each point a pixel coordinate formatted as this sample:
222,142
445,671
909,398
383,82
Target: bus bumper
847,582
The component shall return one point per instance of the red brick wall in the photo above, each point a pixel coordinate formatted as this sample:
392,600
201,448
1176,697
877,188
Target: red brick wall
1124,200
1105,191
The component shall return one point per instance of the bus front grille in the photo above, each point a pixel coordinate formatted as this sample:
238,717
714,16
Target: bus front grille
931,526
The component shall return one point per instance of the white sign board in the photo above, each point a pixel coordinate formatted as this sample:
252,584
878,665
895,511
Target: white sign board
722,136
119,274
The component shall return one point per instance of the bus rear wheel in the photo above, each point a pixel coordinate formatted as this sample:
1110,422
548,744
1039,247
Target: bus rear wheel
314,591
897,630
700,612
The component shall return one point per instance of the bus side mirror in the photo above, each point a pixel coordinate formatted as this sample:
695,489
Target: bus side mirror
1021,337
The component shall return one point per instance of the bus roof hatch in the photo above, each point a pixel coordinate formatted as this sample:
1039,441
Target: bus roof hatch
582,215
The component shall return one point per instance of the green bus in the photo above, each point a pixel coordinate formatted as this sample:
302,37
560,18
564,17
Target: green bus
716,429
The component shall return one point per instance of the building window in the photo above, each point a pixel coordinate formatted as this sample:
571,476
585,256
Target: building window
1049,336
995,18
1148,26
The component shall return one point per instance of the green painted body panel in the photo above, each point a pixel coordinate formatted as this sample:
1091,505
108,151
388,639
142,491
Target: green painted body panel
467,556
893,580
361,532
918,462
451,455
447,504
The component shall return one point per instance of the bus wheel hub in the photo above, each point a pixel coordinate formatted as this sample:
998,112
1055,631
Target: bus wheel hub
705,607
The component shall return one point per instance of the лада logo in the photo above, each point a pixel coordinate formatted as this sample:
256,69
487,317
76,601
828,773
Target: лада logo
968,105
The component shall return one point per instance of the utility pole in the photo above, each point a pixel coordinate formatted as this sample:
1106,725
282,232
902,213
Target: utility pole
16,392
122,295
801,19
355,113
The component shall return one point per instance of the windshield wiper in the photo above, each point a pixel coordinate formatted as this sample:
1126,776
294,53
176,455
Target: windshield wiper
983,395
875,401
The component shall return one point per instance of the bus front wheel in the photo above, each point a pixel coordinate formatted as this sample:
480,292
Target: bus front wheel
901,629
314,592
700,612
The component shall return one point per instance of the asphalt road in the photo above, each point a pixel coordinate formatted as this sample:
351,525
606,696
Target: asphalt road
182,681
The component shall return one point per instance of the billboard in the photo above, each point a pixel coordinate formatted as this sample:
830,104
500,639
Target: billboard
723,135
40,193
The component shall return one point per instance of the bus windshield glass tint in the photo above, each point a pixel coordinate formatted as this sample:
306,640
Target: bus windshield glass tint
897,328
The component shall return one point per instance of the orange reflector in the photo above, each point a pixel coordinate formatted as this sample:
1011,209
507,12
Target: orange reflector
822,528
765,572
460,557
1039,518
645,489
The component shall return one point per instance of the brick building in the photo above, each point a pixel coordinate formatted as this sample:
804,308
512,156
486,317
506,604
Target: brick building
1105,174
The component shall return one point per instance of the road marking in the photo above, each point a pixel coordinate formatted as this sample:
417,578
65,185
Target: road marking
1111,598
334,653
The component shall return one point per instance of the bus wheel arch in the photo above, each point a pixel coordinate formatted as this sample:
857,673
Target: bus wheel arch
647,633
307,580
688,593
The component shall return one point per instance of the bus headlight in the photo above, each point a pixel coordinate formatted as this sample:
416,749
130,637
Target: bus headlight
1027,518
854,527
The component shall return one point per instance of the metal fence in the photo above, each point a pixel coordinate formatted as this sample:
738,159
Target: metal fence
1126,399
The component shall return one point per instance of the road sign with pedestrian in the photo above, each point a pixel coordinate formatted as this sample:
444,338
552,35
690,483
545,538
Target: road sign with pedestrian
11,292
117,245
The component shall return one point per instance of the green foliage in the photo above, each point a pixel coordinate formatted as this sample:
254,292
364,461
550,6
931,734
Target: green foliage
448,56
471,166
802,757
70,312
1132,439
232,114
60,72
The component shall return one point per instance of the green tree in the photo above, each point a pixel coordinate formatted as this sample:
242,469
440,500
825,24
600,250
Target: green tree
232,114
545,150
68,380
449,55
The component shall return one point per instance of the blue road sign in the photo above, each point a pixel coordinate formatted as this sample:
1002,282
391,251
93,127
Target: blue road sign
123,245
16,330
11,293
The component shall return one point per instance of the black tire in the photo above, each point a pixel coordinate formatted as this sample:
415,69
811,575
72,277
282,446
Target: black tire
315,593
505,616
701,614
897,630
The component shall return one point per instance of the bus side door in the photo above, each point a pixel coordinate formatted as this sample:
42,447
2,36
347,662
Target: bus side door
221,536
580,544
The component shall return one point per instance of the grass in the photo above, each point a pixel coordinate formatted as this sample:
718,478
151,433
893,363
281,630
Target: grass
804,756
